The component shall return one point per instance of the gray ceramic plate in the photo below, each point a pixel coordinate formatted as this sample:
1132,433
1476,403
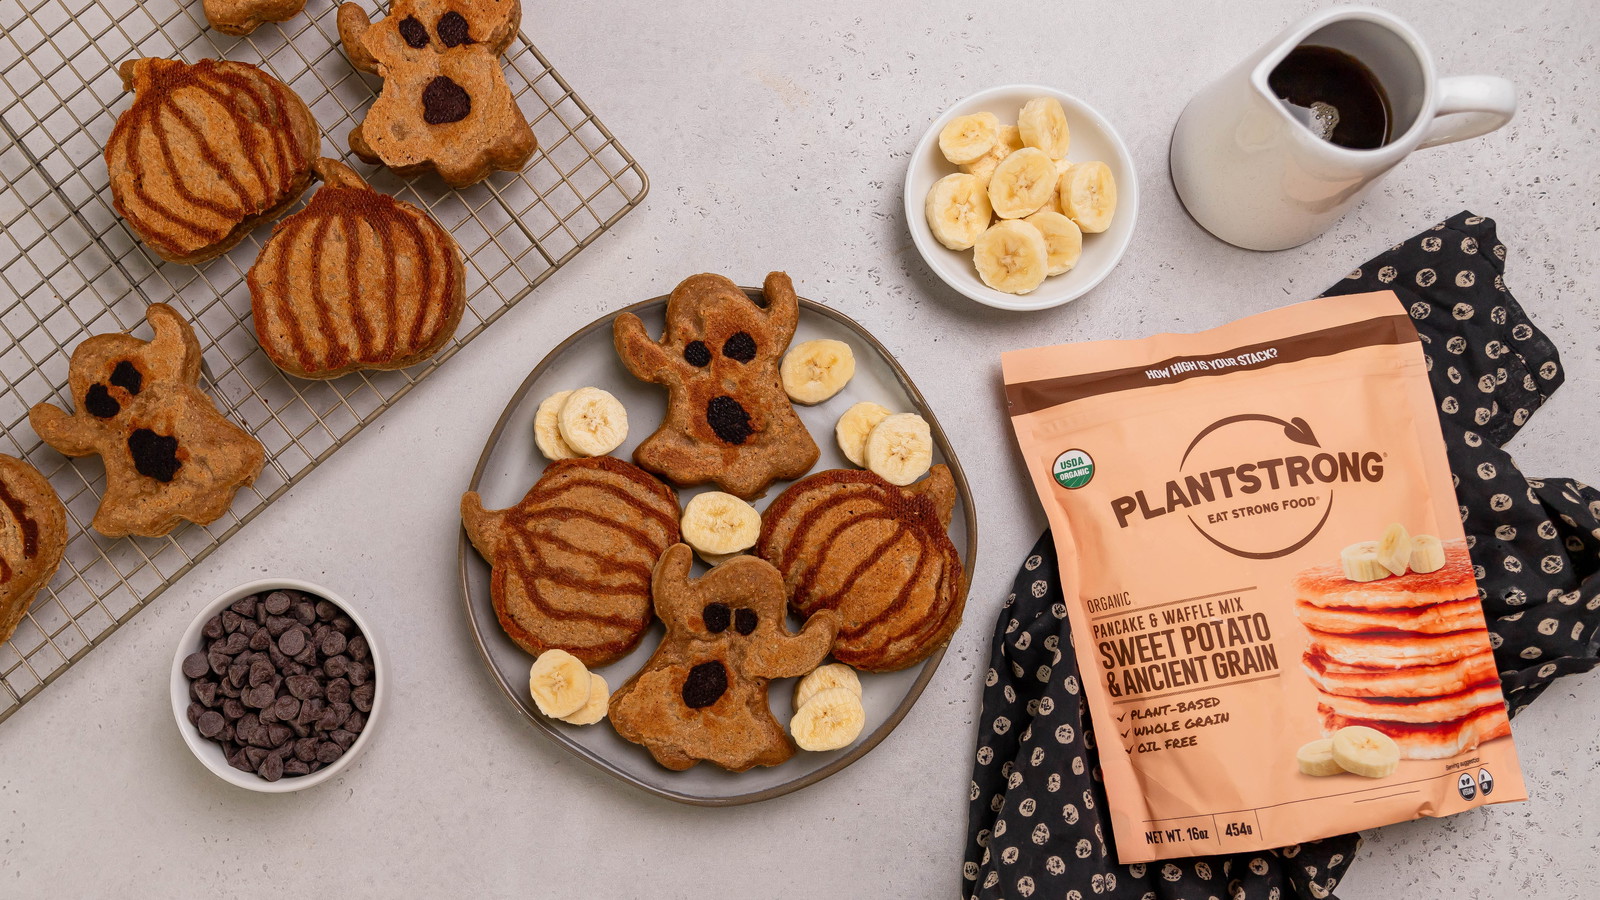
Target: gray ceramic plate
511,464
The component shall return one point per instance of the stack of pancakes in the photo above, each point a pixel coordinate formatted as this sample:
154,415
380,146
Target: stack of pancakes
1408,655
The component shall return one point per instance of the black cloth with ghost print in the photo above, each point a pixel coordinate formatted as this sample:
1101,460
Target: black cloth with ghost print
1037,822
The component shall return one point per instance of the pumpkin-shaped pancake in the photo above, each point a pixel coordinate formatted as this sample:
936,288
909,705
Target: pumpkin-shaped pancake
33,533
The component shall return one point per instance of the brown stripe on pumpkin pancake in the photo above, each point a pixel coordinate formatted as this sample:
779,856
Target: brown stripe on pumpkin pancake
572,560
878,555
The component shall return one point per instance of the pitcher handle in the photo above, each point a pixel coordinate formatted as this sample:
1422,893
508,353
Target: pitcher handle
1470,105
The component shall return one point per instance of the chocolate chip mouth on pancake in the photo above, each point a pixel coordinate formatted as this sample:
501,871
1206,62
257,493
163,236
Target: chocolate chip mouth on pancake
1398,649
1411,681
1442,618
1327,585
572,560
1439,740
1416,710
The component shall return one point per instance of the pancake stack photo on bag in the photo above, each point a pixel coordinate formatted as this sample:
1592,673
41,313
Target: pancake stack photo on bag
1399,645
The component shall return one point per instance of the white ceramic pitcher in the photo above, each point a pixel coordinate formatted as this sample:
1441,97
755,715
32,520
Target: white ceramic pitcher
1254,176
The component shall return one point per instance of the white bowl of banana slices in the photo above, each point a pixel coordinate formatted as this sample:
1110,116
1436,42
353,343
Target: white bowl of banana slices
1021,197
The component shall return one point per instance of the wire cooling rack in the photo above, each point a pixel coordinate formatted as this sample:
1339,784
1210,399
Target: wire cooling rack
70,268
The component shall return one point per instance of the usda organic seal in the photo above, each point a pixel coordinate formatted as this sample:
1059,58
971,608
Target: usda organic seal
1073,469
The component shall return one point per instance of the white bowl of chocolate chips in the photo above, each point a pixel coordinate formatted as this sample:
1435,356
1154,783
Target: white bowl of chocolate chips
276,685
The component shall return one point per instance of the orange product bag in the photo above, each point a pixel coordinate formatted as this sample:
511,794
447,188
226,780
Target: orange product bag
1266,578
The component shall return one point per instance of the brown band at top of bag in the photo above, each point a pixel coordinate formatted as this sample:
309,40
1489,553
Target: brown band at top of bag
1032,396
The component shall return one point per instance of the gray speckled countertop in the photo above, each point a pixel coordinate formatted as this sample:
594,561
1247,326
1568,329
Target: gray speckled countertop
775,136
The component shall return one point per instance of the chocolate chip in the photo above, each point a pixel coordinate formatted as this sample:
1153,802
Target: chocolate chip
260,696
303,687
236,643
279,735
277,625
343,738
295,767
305,749
335,666
729,420
744,620
326,611
444,101
361,697
210,723
357,648
256,755
452,29
195,665
269,713
311,710
328,751
271,768
213,628
238,760
261,640
333,644
706,684
354,722
227,733
99,402
332,718
286,708
154,455
220,660
414,32
305,613
338,691
308,656
228,690
277,603
194,711
245,606
233,709
716,617
249,627
291,642
741,347
230,621
356,673
343,625
126,376
237,673
261,672
697,354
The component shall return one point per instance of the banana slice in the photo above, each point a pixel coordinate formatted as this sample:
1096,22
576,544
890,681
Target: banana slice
1022,183
1089,196
967,138
1063,240
822,678
1394,549
900,448
1062,165
559,683
958,210
853,428
1316,758
547,429
1427,554
592,422
1365,751
595,708
830,720
716,523
813,371
717,559
1010,142
1012,256
1043,124
1360,562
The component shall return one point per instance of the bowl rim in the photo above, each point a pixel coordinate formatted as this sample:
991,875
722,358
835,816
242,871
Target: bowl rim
178,687
922,237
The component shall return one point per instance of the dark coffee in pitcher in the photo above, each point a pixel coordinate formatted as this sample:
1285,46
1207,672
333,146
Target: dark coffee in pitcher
1347,102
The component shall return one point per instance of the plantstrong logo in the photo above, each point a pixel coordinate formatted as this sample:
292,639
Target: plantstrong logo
1073,469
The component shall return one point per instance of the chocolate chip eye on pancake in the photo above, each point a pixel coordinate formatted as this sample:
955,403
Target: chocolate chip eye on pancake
572,560
1327,585
1417,710
1440,740
1412,681
1397,650
878,555
1442,618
